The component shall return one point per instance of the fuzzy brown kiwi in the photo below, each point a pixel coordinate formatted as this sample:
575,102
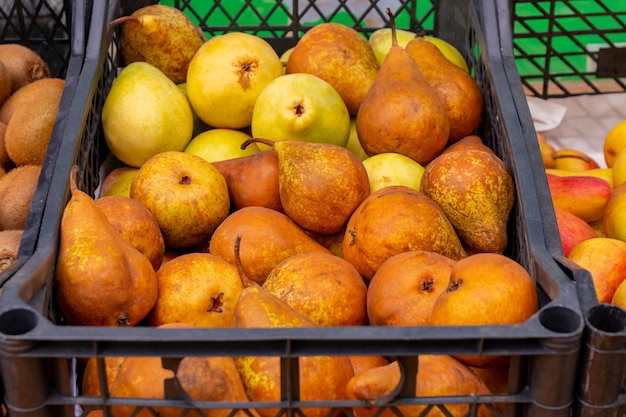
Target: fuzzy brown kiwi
5,84
17,188
30,127
9,246
5,160
30,94
24,64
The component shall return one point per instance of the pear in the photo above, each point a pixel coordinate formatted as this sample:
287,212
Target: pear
101,279
270,237
339,55
145,113
320,184
476,191
161,35
459,92
252,180
401,112
321,377
393,220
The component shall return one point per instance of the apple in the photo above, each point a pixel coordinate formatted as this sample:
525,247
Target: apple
619,168
301,106
380,41
614,219
117,181
220,144
227,74
605,259
354,145
187,195
614,143
602,173
573,160
572,230
390,168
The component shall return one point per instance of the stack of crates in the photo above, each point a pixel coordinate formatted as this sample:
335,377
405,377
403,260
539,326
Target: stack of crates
41,358
577,51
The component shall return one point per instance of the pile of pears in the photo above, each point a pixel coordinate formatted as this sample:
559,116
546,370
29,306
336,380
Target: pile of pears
305,234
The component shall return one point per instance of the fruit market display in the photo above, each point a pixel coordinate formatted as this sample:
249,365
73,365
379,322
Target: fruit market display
252,194
589,204
29,102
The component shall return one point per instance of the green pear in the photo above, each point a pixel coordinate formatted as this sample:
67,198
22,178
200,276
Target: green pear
145,113
302,107
226,76
380,41
220,145
354,145
390,168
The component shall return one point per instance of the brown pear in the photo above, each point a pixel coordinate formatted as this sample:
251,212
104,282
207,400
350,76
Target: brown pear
394,220
320,184
479,199
324,287
401,112
160,35
269,237
252,180
457,89
439,375
321,377
212,379
101,279
135,223
339,55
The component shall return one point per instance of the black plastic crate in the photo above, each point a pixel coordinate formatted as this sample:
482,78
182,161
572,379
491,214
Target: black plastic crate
566,49
37,353
56,30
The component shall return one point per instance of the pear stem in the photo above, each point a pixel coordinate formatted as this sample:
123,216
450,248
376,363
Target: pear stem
124,19
247,142
247,282
392,22
73,174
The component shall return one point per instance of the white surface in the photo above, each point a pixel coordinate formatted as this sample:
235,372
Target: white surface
579,122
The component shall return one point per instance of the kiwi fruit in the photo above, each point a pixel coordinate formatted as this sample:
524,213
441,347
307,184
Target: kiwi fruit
30,94
23,64
17,188
5,84
9,246
5,161
30,127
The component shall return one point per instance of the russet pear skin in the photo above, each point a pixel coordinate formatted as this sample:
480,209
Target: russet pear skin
460,93
101,279
339,55
583,196
476,192
163,36
401,112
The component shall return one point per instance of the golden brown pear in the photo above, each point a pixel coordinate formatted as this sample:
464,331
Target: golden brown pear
135,223
252,180
320,184
401,112
324,287
213,378
459,92
405,288
486,289
476,192
339,55
439,375
101,279
321,377
394,220
268,237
